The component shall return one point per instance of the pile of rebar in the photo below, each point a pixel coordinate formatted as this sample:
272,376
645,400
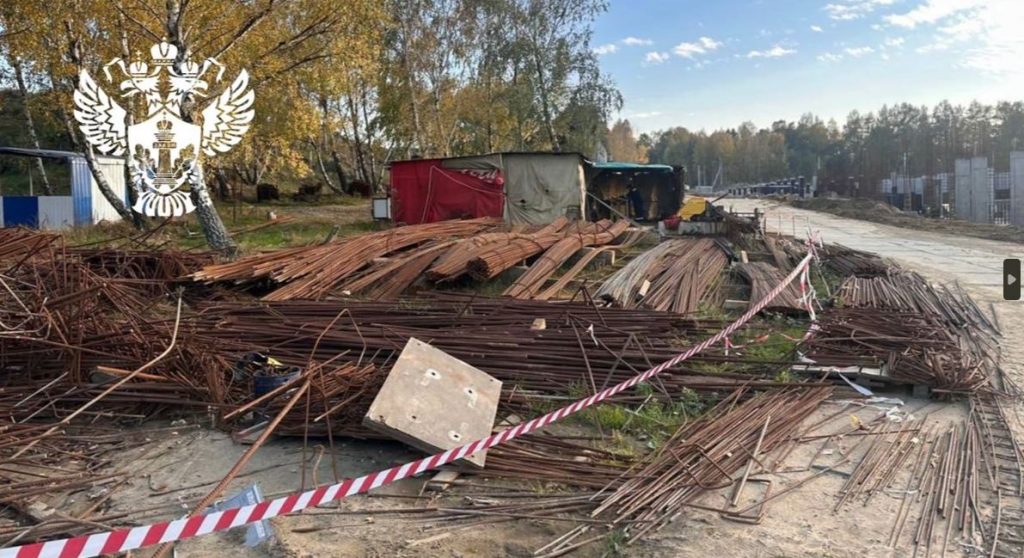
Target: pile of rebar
919,333
906,291
577,346
763,277
18,242
383,265
674,276
850,262
909,347
594,234
705,455
313,272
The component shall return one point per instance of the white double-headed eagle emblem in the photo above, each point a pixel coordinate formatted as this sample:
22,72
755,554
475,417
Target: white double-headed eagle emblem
163,150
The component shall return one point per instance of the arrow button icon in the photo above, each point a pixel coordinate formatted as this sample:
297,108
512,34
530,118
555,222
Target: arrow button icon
1011,279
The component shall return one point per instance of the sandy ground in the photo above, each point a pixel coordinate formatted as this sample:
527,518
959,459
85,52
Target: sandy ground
181,468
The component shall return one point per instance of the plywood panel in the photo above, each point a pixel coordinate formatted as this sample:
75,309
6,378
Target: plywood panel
435,402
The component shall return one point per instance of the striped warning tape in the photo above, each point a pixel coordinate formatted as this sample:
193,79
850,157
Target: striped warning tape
122,540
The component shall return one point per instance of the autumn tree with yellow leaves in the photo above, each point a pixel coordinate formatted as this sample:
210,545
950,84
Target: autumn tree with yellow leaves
341,87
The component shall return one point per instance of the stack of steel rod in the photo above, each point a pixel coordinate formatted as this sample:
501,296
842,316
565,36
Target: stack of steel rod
383,265
452,263
849,262
911,347
578,345
935,336
495,257
892,446
906,291
551,291
763,277
17,243
674,276
706,455
313,272
594,234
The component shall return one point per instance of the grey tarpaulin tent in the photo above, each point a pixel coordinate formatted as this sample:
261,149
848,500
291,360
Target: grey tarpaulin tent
538,187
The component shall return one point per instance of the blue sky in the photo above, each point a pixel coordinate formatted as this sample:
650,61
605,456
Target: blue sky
716,63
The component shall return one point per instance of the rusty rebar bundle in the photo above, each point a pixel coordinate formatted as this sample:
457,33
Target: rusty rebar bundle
312,272
763,277
674,276
593,234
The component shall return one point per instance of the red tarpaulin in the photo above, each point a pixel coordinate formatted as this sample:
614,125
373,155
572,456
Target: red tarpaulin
422,191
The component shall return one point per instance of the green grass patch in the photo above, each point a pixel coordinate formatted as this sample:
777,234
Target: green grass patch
655,418
615,544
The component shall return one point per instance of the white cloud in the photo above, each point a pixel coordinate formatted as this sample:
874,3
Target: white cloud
636,41
641,115
931,11
857,52
932,47
830,57
817,29
656,57
894,43
605,49
776,51
846,10
702,45
985,34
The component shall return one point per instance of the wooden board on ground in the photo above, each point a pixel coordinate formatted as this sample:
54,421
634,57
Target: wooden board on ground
435,402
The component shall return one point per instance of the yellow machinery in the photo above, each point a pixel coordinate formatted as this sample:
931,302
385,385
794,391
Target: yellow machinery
693,207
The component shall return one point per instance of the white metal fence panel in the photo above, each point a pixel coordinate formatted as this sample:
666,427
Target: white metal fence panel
56,212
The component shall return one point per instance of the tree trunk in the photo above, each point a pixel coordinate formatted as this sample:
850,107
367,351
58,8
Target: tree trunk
126,54
101,181
29,124
323,171
339,170
545,104
358,142
327,141
217,235
369,139
105,189
410,77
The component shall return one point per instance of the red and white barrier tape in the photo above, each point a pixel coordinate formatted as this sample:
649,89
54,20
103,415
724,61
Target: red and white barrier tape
122,540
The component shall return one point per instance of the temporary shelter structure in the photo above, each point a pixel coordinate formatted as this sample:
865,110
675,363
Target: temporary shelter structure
659,187
522,188
86,204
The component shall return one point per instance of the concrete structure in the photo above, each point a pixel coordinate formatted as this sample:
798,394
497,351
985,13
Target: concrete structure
1017,188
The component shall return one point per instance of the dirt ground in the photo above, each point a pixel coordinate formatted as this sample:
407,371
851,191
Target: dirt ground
177,469
885,214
